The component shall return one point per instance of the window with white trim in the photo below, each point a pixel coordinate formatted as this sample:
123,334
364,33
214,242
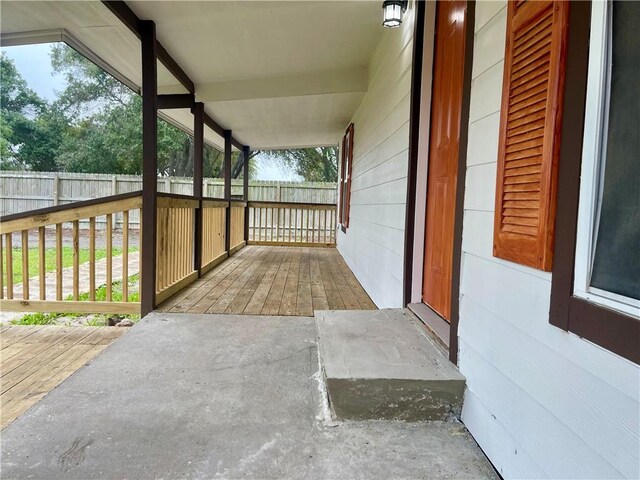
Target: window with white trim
607,264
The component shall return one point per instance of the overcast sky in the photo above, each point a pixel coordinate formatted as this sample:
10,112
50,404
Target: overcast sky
32,61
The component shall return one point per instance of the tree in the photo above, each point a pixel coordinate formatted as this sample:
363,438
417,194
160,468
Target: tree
15,95
5,146
41,140
89,89
95,126
318,164
26,141
107,122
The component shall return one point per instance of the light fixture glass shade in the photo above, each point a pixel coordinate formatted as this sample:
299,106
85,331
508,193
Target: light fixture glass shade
392,13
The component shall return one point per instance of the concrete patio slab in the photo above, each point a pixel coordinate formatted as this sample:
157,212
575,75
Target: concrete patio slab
219,396
380,365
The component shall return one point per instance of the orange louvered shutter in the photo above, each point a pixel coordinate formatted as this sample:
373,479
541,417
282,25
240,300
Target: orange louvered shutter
530,132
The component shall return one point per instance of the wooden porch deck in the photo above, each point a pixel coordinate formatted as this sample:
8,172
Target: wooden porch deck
274,280
35,359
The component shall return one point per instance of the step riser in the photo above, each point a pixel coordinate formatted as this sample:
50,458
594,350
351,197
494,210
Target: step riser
408,400
378,365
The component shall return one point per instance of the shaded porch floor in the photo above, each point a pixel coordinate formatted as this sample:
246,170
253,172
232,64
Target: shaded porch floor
220,396
270,280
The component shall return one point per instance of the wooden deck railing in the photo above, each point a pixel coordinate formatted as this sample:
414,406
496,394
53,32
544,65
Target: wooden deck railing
90,285
237,226
61,289
175,265
213,231
302,224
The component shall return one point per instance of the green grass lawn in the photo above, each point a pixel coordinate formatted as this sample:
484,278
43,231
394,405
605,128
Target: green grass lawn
50,260
97,320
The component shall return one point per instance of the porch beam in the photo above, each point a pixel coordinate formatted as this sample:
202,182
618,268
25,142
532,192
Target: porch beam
149,165
227,187
177,100
245,190
198,167
121,10
127,16
175,69
213,125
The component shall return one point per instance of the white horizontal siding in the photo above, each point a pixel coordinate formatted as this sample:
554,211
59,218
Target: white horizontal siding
373,246
541,402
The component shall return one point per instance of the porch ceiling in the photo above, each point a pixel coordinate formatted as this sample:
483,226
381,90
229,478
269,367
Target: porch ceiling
277,73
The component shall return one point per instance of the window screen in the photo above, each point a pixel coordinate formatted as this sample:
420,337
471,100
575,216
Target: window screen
616,262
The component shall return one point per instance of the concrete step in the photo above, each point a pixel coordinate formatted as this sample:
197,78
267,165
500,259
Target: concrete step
380,365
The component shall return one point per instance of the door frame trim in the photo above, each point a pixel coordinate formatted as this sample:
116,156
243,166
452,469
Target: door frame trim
417,117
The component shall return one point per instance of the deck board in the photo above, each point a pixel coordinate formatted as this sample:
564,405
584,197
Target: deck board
34,359
274,280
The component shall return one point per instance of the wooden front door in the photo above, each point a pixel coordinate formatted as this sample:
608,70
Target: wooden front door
444,139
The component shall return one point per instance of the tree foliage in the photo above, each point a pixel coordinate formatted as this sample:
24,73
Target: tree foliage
95,126
318,164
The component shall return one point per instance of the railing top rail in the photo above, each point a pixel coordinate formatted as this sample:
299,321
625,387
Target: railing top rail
178,196
70,206
177,202
214,203
72,212
268,204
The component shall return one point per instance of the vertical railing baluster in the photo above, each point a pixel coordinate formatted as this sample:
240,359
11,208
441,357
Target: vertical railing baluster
9,257
253,224
1,271
59,261
191,241
173,216
25,264
41,264
325,226
184,249
109,257
76,260
159,251
333,226
272,223
140,252
92,259
179,254
166,254
183,244
125,256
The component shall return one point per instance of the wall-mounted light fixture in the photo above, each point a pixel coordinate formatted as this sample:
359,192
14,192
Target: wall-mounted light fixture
392,12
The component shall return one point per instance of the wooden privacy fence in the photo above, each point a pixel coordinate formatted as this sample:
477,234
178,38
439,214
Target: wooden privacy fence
67,298
303,224
24,191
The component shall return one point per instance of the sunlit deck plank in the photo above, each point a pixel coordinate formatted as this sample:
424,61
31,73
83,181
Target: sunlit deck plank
38,358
